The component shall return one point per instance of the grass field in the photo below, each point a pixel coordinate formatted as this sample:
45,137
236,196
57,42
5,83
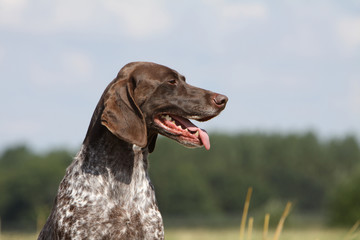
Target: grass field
233,234
229,234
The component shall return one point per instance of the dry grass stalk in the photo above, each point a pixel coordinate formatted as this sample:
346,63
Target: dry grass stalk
244,216
266,226
282,220
350,235
250,228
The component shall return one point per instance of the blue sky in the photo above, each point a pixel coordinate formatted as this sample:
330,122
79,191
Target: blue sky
286,66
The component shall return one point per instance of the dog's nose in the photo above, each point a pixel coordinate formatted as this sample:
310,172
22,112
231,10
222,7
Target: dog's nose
220,100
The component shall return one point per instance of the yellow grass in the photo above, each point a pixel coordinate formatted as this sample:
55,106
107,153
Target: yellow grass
266,226
282,220
232,234
250,228
18,236
228,234
266,222
244,216
353,234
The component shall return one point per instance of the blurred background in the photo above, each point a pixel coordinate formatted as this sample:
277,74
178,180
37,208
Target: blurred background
291,129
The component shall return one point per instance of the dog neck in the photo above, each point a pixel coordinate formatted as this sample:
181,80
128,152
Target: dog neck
107,179
103,153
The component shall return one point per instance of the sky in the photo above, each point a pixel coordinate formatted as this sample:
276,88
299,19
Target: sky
286,66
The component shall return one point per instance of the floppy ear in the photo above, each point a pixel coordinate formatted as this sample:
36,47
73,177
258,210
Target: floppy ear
122,116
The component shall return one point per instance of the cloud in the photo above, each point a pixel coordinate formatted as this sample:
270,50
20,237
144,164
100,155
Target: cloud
136,19
303,41
243,10
348,30
354,96
11,12
74,14
140,18
78,64
67,69
17,128
237,10
315,30
2,53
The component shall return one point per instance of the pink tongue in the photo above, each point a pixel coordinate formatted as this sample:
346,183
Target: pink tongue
204,137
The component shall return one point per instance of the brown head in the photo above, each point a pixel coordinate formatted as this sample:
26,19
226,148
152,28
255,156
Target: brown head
147,98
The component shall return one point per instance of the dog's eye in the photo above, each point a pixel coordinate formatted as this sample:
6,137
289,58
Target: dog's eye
172,81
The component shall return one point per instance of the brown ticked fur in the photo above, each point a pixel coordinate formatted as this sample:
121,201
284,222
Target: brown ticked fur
106,192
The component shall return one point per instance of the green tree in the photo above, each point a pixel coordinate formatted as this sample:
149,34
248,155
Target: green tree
344,203
28,184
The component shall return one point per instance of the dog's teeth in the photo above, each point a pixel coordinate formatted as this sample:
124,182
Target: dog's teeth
167,117
186,130
197,134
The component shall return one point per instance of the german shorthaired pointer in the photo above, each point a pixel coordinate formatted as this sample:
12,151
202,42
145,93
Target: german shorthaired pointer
106,192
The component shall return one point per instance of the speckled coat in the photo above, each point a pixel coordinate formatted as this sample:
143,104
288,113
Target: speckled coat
98,199
106,192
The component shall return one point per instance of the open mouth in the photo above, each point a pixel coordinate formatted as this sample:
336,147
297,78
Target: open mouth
182,130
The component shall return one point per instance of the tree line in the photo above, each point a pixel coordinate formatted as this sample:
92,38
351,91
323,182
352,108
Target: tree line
319,176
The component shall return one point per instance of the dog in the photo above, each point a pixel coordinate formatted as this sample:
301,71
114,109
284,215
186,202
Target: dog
106,192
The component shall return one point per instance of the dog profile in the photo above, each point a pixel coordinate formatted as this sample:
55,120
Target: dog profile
106,192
